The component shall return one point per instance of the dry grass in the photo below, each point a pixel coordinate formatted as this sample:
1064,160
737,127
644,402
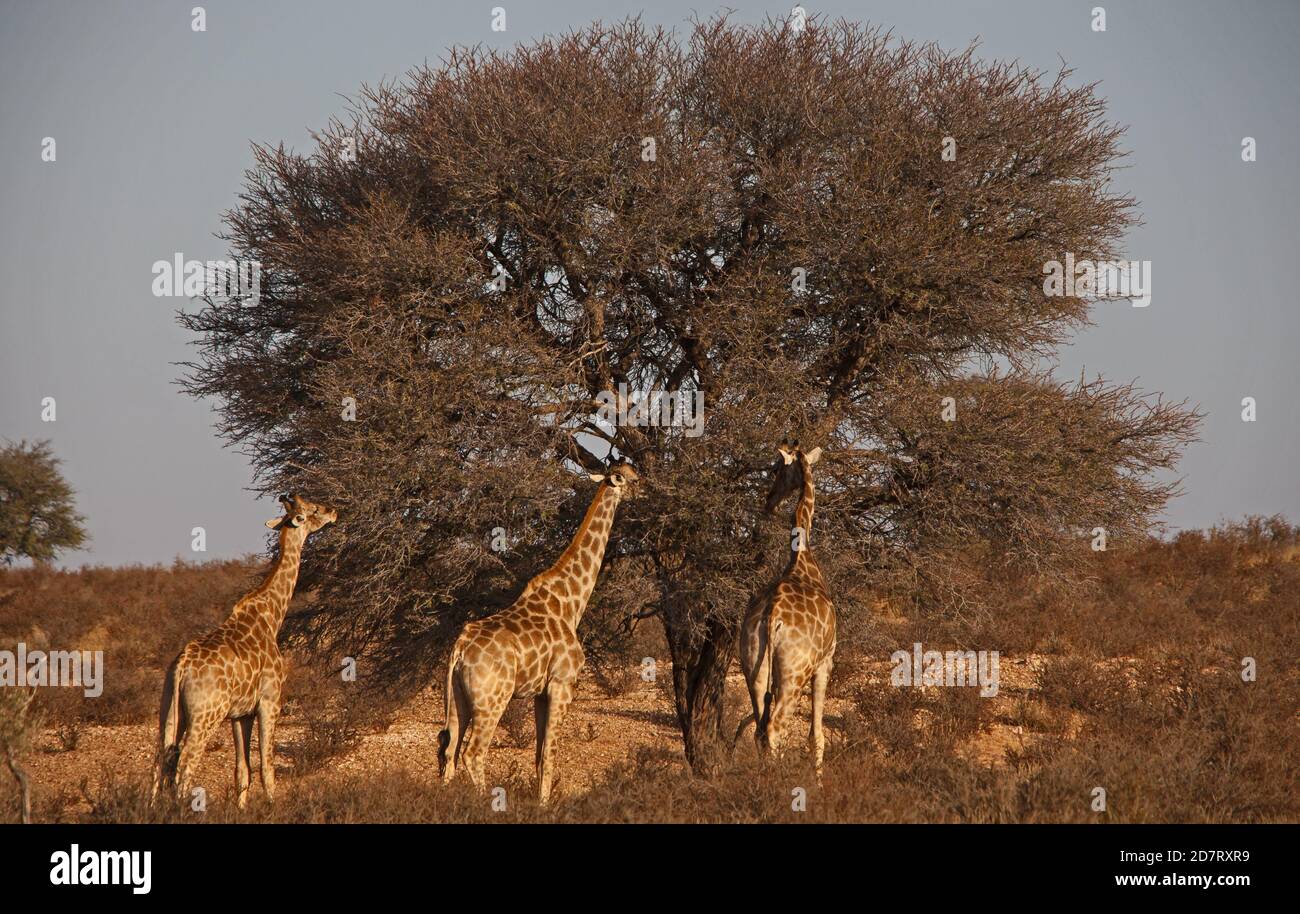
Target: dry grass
140,617
1130,682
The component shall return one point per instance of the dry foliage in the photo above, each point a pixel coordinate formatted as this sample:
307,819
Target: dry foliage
500,253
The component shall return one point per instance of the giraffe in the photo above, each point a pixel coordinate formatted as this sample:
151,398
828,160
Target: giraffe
235,672
788,635
529,649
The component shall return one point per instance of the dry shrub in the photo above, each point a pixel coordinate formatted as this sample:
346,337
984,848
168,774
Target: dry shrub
618,679
1217,757
517,724
18,725
335,715
139,616
1138,691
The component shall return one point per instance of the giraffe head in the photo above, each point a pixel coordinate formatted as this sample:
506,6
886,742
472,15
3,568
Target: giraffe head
303,515
622,479
788,472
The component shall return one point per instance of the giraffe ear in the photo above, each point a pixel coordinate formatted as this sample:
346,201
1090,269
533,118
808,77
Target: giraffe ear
595,477
274,523
813,456
787,456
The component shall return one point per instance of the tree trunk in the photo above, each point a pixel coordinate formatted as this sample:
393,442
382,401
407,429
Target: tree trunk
700,662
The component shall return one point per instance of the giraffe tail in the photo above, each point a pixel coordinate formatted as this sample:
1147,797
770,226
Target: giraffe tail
745,724
752,720
446,746
770,650
169,727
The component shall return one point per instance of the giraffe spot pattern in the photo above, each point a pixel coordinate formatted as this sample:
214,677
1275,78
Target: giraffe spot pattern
530,649
236,670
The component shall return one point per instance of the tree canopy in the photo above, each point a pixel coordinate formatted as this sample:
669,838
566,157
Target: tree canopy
761,216
38,519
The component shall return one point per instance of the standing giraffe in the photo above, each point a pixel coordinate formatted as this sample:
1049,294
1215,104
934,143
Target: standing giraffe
235,672
788,636
529,649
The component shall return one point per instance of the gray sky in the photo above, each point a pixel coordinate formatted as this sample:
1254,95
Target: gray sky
153,123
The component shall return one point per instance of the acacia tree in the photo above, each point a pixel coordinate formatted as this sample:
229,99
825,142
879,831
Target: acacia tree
38,519
762,216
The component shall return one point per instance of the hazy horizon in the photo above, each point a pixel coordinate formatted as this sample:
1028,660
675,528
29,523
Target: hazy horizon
153,124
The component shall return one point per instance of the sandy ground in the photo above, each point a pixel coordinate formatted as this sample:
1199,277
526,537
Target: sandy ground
599,731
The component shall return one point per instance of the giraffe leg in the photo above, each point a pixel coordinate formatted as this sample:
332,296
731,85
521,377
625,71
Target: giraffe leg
267,714
541,706
817,740
242,730
192,746
158,767
479,739
783,702
558,696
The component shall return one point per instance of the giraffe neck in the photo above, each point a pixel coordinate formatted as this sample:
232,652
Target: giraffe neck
803,512
277,589
580,563
803,518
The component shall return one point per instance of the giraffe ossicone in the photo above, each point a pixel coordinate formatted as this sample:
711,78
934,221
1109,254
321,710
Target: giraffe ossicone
236,672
